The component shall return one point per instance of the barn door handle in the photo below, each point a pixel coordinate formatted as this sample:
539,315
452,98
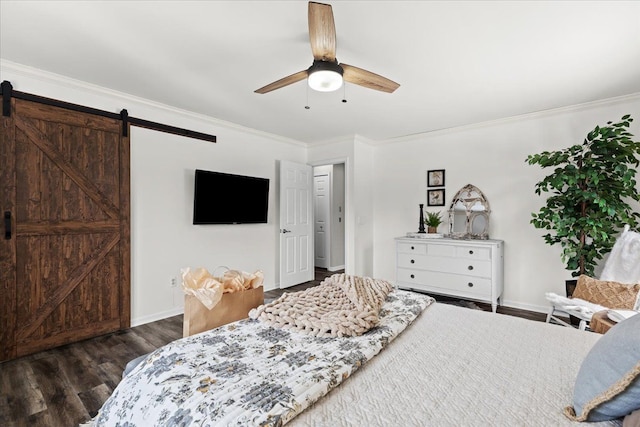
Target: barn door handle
7,225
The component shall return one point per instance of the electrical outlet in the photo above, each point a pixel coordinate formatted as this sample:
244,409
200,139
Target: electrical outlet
173,281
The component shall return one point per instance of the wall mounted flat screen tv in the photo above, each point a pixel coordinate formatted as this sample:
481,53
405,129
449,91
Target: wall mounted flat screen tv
222,198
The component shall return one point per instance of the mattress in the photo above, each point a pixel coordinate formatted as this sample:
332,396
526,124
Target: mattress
459,367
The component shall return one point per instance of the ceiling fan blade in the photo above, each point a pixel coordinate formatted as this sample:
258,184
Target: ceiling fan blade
286,81
322,32
368,79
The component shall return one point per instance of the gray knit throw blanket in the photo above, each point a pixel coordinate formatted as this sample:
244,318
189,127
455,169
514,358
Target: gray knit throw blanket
341,306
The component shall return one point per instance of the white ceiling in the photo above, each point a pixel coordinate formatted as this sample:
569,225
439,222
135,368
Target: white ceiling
458,63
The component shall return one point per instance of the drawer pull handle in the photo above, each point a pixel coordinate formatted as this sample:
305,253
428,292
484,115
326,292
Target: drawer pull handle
413,277
413,261
470,267
470,284
470,252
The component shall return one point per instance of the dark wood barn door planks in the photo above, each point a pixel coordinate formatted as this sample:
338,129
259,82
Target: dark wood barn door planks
65,270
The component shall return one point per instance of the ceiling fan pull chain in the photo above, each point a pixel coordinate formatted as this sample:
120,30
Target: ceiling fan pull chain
307,107
344,93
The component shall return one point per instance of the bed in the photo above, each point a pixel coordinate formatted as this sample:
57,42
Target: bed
427,363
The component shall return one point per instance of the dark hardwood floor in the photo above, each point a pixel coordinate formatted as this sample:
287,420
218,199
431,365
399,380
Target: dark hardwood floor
66,386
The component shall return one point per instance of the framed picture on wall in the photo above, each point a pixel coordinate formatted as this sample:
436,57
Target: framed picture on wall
435,178
435,197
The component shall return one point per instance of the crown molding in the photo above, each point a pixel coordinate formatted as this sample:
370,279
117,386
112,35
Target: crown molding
513,119
125,98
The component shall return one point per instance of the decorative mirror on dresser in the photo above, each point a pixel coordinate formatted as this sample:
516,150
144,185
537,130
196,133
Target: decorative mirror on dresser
469,214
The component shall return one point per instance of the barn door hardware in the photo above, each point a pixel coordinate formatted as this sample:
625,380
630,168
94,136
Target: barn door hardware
124,116
8,92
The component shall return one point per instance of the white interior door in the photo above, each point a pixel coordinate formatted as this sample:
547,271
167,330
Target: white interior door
321,219
296,223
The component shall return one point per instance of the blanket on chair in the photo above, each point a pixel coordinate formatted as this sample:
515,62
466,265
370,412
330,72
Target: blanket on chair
573,305
342,306
623,264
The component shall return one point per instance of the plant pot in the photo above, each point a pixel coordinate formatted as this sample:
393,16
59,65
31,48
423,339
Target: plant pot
432,229
569,287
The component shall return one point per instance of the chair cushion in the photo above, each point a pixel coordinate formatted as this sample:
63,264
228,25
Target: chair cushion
608,382
606,293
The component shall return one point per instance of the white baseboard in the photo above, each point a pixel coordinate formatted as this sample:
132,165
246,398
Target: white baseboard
180,310
528,307
156,316
271,288
336,268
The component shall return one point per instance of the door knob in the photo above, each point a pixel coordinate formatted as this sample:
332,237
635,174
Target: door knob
284,230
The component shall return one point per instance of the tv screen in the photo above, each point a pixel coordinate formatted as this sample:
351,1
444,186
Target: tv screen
222,198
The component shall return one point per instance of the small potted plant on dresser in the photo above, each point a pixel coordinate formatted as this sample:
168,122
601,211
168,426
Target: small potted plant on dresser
433,221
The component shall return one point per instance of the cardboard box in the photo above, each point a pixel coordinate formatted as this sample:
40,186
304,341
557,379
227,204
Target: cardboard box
233,306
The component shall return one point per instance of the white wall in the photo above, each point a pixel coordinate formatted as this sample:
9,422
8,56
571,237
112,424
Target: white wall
492,157
363,197
163,238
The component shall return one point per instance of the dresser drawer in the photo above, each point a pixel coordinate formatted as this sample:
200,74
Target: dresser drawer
453,251
441,250
473,252
444,282
412,248
468,267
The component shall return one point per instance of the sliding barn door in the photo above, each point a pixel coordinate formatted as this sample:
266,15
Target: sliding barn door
65,253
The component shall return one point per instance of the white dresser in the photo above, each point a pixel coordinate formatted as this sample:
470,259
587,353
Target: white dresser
471,269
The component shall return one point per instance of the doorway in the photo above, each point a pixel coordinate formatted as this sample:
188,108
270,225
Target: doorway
329,216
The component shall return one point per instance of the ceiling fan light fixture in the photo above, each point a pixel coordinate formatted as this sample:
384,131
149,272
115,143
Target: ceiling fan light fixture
325,76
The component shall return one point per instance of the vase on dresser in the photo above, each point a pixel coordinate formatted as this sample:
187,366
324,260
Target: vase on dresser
421,220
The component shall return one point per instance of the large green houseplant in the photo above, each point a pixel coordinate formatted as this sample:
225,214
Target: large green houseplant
590,191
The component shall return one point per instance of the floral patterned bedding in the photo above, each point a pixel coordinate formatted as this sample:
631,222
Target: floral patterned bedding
248,373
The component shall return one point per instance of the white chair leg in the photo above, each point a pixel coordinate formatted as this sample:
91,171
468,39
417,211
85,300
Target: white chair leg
583,325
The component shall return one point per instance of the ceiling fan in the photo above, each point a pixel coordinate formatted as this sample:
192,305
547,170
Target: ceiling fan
326,74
